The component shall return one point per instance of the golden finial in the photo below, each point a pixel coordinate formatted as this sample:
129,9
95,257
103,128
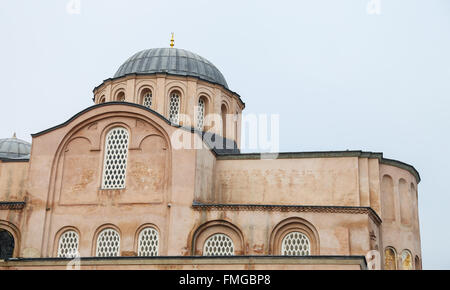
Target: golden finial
172,41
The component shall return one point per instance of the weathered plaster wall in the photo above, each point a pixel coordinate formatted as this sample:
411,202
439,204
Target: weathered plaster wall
308,181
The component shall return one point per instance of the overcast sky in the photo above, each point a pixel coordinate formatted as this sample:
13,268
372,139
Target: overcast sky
339,77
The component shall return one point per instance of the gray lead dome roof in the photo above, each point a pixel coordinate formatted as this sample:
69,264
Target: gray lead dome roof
13,148
172,61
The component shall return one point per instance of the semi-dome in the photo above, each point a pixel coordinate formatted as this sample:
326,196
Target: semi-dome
172,61
14,148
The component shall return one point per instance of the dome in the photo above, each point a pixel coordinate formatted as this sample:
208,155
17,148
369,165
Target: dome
13,148
172,61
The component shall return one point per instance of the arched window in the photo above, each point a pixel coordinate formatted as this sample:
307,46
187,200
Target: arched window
224,113
116,155
390,259
68,244
406,261
218,245
200,114
147,98
418,265
294,236
148,242
295,244
121,97
102,100
108,243
6,244
174,108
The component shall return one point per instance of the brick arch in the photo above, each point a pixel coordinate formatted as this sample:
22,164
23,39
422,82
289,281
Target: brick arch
211,228
15,233
293,224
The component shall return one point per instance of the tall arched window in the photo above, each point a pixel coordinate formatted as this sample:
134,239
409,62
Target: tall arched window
147,98
295,244
148,242
108,243
390,259
406,262
6,244
174,108
116,155
200,114
218,245
224,113
68,244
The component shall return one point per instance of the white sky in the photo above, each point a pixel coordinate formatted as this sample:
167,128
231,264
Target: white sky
339,77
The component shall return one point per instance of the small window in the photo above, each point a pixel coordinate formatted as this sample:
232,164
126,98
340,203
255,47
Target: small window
108,243
418,265
200,114
147,99
174,108
121,97
148,242
102,100
295,244
116,155
68,245
218,245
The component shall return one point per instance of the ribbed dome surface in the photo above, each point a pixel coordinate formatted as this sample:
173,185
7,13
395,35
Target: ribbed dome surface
13,148
173,61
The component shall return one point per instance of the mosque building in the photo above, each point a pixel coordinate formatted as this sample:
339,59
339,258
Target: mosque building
113,186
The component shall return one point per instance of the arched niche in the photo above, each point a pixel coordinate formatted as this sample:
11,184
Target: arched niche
387,199
406,207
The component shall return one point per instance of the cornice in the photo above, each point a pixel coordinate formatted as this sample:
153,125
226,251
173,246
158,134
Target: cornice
290,208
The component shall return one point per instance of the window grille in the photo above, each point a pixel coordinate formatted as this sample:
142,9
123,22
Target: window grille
174,108
147,101
295,244
68,245
116,154
108,243
200,114
148,242
218,245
